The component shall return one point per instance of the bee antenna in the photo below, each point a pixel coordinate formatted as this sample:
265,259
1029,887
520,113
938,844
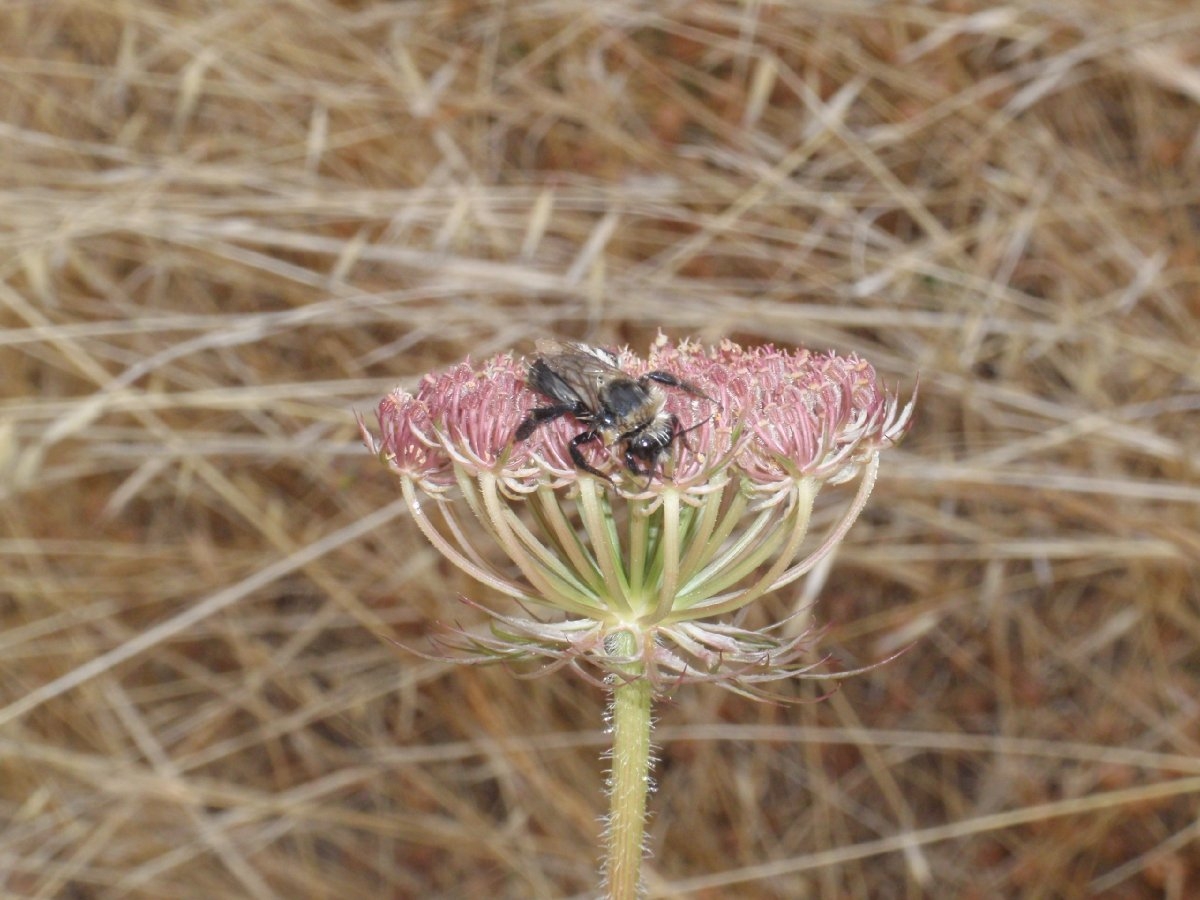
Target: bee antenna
684,431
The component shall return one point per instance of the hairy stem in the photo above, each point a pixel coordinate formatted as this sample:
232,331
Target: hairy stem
630,779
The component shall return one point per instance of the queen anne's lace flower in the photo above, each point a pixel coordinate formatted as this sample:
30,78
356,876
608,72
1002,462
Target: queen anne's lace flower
722,522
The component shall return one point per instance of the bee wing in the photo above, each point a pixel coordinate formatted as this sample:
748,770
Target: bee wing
605,360
571,371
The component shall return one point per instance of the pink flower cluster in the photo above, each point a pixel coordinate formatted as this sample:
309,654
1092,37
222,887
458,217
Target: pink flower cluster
774,417
657,563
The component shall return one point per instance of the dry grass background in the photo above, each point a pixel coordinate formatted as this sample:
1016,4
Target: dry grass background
226,225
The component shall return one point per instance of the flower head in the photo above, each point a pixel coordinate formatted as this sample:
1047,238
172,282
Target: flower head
720,521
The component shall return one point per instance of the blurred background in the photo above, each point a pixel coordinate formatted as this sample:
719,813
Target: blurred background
226,226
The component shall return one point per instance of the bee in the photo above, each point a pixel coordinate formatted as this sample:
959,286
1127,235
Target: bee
617,409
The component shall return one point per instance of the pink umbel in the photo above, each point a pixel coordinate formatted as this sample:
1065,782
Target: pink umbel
634,576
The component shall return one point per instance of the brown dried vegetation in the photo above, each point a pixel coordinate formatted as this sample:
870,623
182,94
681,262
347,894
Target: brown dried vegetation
226,225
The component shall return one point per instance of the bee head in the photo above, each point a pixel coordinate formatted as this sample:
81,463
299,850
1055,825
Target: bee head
643,449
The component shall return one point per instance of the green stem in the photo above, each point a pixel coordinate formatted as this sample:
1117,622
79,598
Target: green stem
630,779
639,529
669,553
595,512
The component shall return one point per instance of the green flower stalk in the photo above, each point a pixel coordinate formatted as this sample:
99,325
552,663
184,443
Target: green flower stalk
635,576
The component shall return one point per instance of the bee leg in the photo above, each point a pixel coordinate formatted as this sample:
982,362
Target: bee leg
543,414
584,437
631,463
672,381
